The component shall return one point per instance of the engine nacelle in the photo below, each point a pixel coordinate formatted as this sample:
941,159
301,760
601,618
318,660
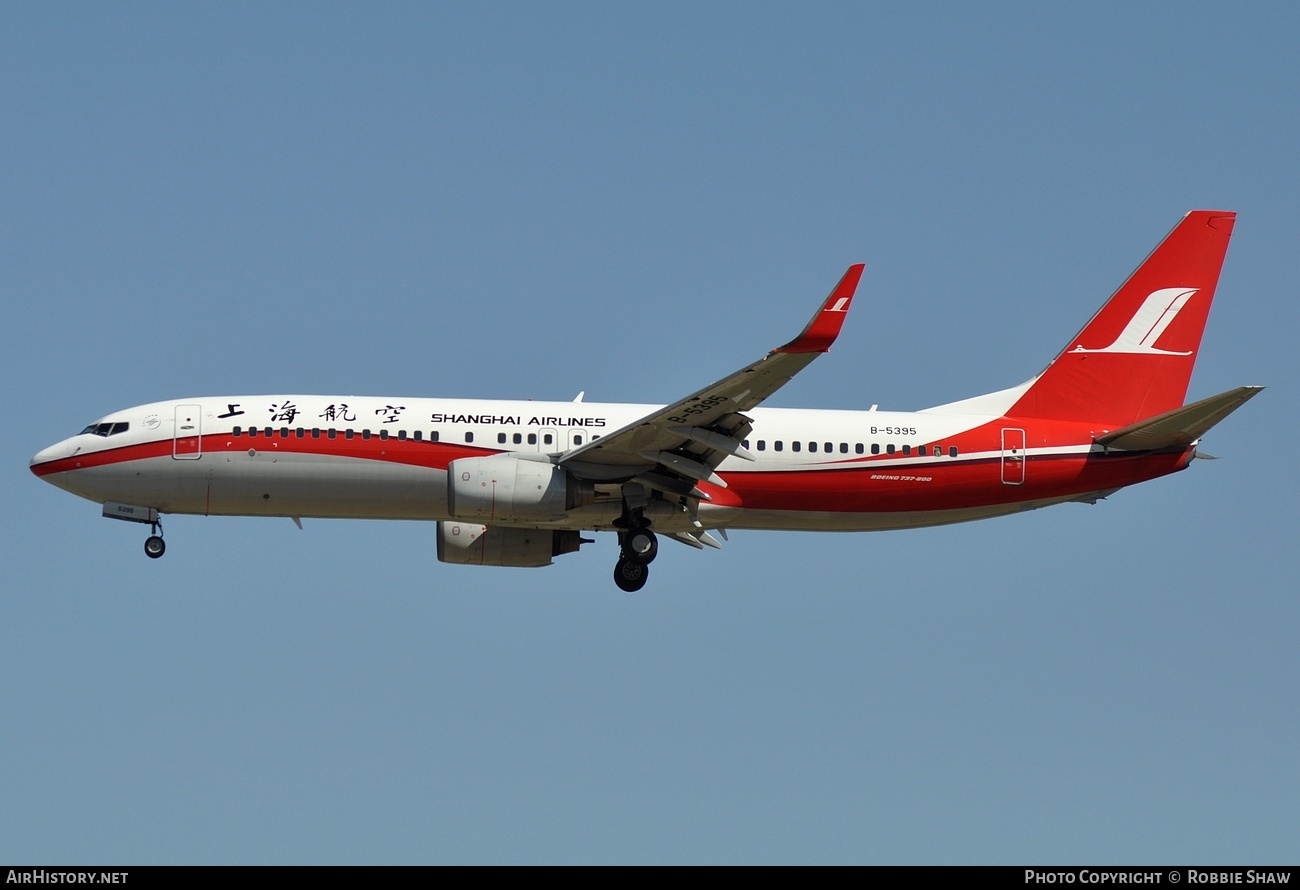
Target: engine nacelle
467,543
504,488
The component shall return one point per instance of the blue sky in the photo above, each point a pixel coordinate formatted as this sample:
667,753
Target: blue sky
527,201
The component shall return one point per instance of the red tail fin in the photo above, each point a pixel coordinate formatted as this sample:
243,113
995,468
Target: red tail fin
1134,359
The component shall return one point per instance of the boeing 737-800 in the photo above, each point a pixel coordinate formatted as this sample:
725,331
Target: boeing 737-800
516,483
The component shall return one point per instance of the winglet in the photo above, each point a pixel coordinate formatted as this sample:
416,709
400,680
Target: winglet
825,325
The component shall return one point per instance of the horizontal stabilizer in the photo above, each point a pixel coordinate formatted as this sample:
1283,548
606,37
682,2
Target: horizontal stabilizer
1180,427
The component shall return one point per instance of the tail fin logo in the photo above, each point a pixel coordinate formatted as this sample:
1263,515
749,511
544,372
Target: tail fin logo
1158,311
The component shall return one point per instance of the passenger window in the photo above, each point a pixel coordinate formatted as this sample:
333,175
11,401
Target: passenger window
433,436
236,431
401,435
762,445
777,445
315,432
418,435
577,440
270,433
812,447
332,433
844,448
858,449
299,432
517,438
889,449
875,447
795,446
347,434
383,435
469,437
907,449
532,438
547,439
501,438
952,450
829,447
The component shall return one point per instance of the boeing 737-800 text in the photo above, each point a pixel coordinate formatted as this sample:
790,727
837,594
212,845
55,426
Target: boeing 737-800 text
516,483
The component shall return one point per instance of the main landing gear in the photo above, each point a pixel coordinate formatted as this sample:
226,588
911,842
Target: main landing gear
638,547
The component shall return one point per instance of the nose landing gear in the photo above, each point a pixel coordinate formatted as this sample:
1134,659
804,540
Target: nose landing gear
154,546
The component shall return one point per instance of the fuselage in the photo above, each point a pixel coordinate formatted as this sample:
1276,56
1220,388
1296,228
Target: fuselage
387,458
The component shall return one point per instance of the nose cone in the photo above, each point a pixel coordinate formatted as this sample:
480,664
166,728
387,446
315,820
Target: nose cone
43,460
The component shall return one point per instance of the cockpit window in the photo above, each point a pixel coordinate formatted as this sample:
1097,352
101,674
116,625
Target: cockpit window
105,429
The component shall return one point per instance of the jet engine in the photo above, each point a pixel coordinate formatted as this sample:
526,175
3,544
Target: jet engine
505,488
467,543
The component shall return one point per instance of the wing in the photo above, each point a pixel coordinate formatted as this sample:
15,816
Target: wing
682,444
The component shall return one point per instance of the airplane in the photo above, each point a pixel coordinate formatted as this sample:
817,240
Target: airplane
517,483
